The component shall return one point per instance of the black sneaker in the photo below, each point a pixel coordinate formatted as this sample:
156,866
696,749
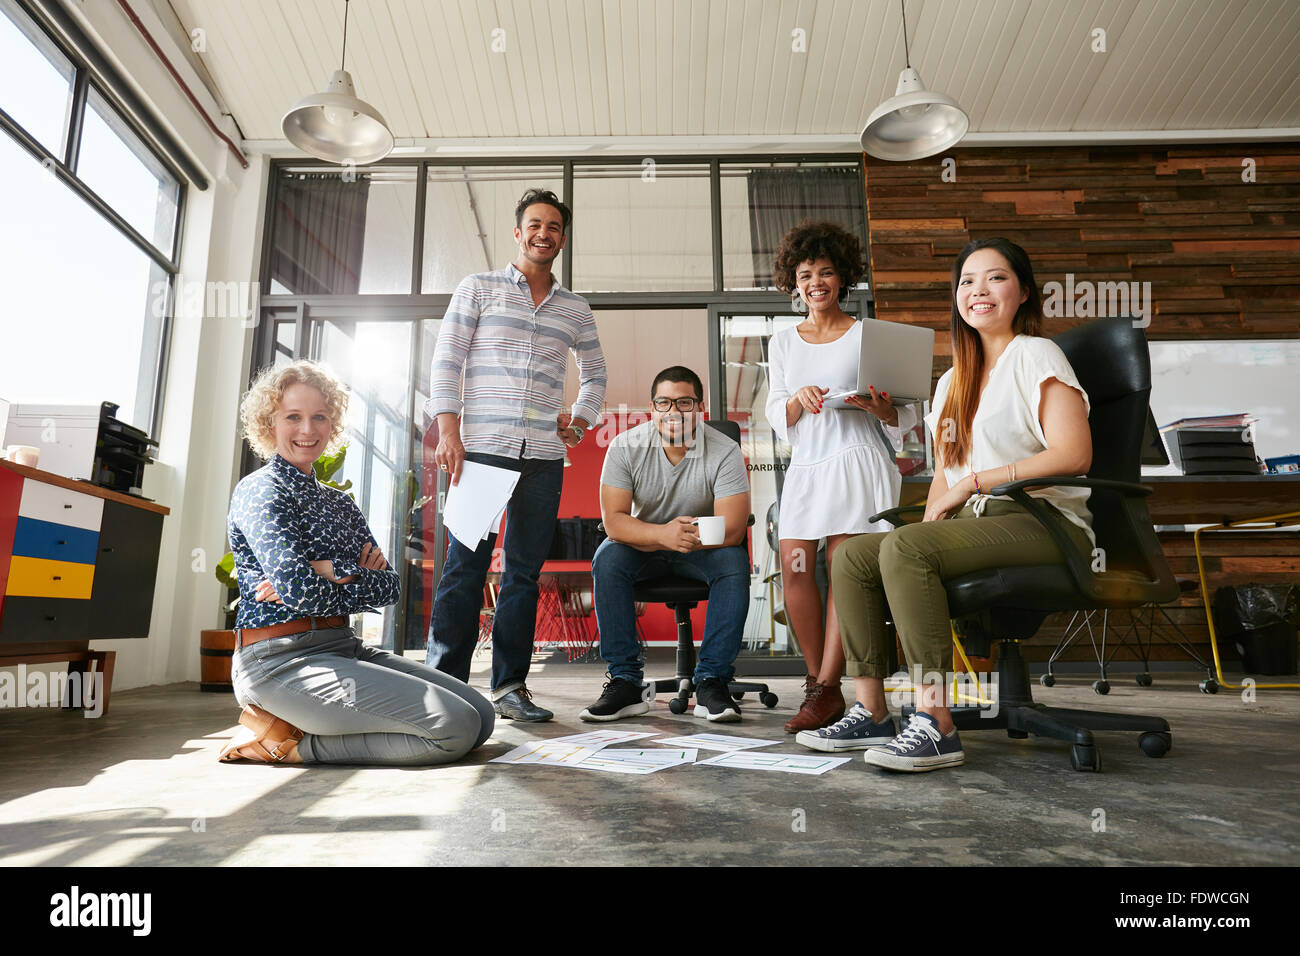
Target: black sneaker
713,700
619,698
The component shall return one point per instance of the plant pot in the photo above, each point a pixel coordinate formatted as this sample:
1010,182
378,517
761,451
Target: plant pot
216,652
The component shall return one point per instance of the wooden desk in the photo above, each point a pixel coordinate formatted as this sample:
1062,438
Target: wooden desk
77,563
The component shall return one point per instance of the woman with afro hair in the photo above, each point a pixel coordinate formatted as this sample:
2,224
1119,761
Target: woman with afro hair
842,467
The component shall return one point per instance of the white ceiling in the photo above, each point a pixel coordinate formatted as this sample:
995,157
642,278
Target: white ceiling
726,68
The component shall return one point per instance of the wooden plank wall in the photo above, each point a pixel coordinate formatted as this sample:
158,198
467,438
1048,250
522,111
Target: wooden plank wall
1222,256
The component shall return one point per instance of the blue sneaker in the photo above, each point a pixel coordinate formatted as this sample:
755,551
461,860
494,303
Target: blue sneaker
854,731
920,747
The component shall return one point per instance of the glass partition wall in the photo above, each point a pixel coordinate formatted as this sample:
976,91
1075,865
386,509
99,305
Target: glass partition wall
674,256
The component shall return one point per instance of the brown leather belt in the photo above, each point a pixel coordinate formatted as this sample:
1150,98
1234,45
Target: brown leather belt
251,635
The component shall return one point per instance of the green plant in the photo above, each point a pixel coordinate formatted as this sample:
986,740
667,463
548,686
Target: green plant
327,466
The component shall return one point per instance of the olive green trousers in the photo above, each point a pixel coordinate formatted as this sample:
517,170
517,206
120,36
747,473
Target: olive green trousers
908,566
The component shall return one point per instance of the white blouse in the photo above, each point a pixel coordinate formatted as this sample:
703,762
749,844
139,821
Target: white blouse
1006,427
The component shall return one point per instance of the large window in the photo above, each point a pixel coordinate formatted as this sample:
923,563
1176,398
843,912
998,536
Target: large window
469,219
35,80
762,201
117,165
642,228
343,231
88,235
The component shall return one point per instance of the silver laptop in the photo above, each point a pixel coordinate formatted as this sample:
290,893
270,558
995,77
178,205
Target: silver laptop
896,358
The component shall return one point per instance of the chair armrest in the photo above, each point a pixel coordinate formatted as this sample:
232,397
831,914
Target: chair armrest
1127,488
1080,567
895,515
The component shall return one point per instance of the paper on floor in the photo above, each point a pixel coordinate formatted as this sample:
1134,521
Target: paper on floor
785,763
548,752
602,738
627,760
723,742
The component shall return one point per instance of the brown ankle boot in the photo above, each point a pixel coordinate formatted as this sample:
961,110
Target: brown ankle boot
810,690
823,707
264,737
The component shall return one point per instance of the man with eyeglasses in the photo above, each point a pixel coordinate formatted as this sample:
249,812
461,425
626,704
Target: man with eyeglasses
658,477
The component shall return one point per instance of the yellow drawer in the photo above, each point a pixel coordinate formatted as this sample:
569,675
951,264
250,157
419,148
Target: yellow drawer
40,577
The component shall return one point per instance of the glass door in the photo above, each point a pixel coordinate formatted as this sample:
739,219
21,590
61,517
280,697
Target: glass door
374,358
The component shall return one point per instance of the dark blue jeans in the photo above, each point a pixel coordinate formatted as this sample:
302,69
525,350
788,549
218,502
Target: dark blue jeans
617,567
530,525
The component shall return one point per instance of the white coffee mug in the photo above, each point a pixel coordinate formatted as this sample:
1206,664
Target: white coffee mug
712,529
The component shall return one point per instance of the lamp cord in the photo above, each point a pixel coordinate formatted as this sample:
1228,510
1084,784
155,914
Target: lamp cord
345,34
906,61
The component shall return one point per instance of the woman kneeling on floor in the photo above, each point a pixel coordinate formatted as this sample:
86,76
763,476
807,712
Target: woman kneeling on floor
306,561
1009,408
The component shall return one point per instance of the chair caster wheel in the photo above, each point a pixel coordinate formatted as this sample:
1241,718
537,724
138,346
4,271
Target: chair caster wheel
768,699
738,696
1144,680
677,705
1047,680
1210,686
1101,687
1155,743
1017,734
1085,758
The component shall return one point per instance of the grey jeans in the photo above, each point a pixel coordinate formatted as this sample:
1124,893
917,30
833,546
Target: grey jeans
358,704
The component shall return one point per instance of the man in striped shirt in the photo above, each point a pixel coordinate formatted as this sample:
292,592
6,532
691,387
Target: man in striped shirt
496,394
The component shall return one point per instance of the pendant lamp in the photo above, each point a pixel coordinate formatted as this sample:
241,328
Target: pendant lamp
914,122
335,125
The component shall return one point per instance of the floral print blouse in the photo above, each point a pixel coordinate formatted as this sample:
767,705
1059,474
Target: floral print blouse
281,520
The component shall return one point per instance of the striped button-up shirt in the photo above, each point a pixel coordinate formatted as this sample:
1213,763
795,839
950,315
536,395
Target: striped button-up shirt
500,363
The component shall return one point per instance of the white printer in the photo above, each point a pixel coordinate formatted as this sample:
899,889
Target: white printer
85,442
65,434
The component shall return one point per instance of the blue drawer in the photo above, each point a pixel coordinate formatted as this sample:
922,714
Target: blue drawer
55,542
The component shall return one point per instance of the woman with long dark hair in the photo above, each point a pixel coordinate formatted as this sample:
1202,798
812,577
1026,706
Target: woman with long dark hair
1009,408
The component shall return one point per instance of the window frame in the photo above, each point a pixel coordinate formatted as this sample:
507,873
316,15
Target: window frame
93,72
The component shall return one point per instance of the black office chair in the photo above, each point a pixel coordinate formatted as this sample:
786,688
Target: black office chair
682,595
1111,360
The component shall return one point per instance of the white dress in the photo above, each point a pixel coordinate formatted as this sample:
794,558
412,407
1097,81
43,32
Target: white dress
842,468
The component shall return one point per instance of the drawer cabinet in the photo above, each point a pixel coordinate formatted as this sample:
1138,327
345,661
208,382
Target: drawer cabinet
76,563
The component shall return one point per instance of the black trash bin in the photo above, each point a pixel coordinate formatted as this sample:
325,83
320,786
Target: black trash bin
1260,620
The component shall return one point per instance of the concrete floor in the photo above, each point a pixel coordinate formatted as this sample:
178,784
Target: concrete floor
142,787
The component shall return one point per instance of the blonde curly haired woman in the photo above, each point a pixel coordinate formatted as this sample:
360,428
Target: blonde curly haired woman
305,559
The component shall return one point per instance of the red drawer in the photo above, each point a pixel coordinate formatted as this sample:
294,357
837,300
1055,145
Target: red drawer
11,493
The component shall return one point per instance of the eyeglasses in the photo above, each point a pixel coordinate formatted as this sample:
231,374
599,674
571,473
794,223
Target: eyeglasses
683,404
